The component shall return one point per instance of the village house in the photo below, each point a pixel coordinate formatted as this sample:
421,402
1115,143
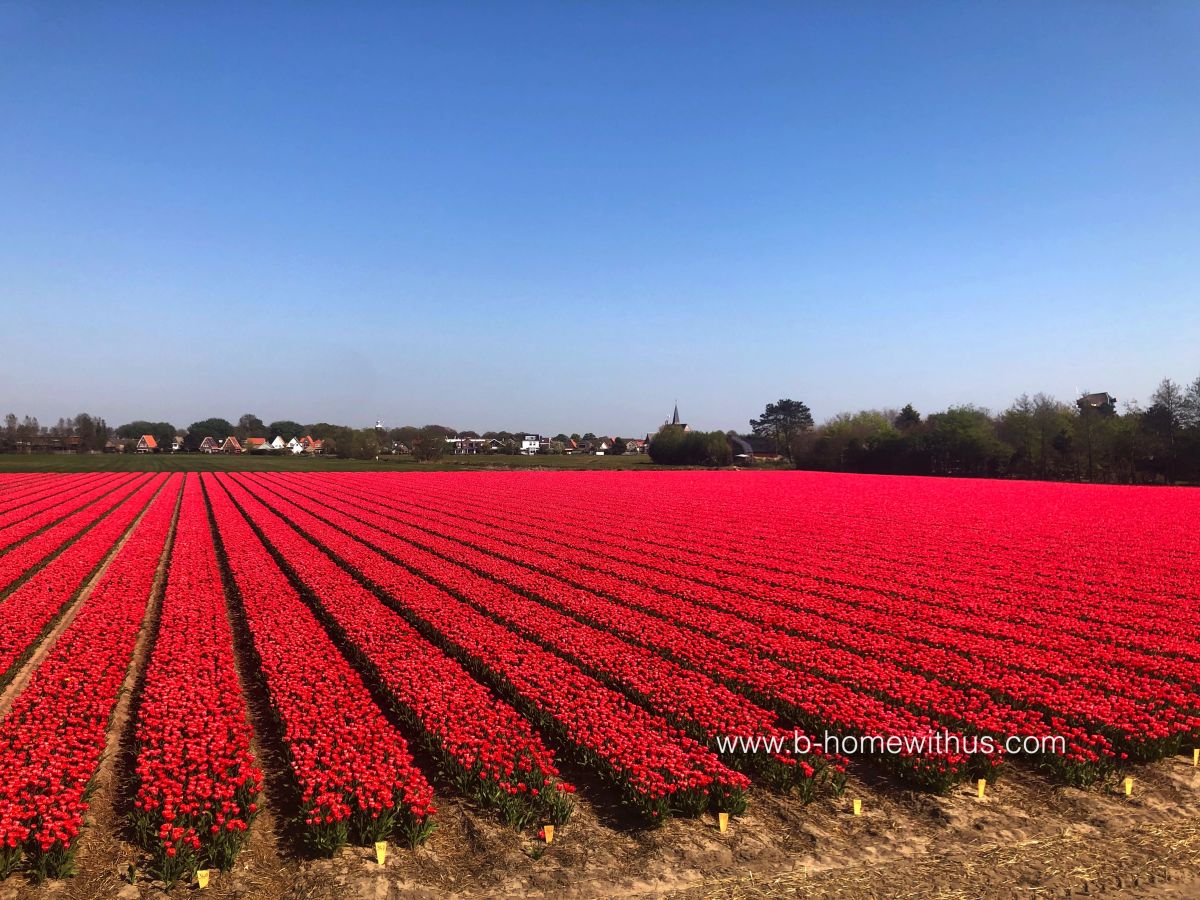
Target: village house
279,443
210,445
466,446
177,443
257,445
232,445
147,444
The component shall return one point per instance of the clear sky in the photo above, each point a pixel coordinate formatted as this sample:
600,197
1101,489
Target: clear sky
566,216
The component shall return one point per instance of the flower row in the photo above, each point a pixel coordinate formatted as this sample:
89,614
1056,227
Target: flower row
52,738
197,783
353,770
32,609
488,746
657,768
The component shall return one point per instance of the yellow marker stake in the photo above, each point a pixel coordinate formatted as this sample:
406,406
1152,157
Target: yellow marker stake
723,822
1196,757
858,807
549,832
982,787
381,852
1128,786
202,878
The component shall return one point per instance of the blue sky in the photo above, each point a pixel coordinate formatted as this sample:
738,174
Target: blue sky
569,215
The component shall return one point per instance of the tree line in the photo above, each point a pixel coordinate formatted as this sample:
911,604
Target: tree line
1035,437
88,433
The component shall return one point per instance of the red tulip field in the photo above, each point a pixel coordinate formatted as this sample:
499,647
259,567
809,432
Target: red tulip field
333,660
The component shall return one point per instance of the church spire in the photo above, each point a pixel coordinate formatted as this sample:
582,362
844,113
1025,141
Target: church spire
675,417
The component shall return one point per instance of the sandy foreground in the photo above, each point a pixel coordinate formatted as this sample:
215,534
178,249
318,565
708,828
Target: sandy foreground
1026,838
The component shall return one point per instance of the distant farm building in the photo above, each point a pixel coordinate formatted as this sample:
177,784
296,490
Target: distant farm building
1103,403
147,444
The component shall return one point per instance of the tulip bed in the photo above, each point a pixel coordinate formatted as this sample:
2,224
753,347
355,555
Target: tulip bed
52,738
29,543
956,666
353,769
489,748
197,783
391,632
656,768
32,609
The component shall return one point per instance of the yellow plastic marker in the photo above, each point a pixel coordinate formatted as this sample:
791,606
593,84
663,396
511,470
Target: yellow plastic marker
548,830
202,878
858,807
381,852
1128,786
1196,757
723,822
982,787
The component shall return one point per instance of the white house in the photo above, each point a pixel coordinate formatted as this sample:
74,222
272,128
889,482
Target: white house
295,446
530,444
278,443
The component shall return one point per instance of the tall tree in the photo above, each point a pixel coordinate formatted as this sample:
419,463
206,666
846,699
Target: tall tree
248,426
429,443
907,418
783,421
1191,404
1164,419
286,429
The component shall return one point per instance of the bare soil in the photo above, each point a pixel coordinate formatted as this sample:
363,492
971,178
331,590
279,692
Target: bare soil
1027,838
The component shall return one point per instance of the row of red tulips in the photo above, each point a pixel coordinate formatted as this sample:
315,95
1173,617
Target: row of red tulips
52,738
911,611
21,502
656,768
486,745
1017,551
32,609
986,692
981,697
352,768
23,553
26,519
859,580
689,699
805,698
1038,564
197,784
